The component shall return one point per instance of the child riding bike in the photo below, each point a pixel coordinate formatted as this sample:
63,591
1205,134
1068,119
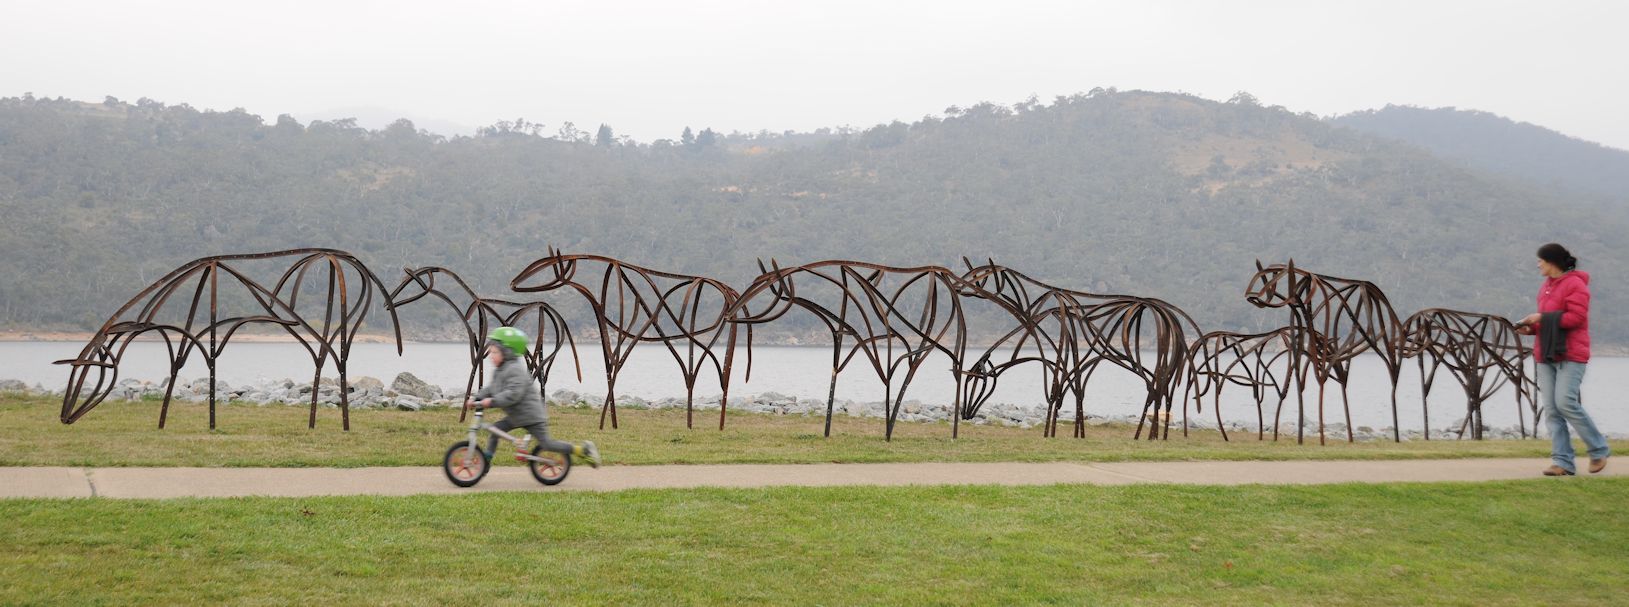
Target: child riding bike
513,391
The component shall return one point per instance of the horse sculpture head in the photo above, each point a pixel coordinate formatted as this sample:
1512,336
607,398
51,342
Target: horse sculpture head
980,276
1275,286
775,283
418,283
554,271
96,366
94,374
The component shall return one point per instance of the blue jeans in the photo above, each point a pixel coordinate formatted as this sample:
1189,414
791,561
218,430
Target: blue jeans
1558,385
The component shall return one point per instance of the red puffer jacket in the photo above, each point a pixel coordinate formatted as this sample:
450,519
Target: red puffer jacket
1569,295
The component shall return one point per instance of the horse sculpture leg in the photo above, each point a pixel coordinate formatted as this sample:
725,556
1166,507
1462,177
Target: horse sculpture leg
316,382
831,399
1080,414
1397,433
344,400
1321,384
1347,404
169,389
724,380
1054,410
211,394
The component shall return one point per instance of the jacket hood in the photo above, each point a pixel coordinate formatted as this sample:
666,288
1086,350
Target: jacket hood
1573,275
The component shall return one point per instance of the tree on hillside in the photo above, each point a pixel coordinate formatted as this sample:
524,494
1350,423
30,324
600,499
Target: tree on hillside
570,133
605,138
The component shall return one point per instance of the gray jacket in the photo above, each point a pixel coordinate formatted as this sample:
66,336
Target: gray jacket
513,390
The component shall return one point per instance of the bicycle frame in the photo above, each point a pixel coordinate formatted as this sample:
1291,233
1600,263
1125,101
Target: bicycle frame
476,426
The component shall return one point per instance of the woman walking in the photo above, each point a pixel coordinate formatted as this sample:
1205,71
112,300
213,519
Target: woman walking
1561,351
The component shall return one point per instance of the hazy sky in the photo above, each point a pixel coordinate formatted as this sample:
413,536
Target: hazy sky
651,68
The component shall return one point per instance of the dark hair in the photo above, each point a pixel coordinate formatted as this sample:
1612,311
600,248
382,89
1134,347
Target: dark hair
1558,256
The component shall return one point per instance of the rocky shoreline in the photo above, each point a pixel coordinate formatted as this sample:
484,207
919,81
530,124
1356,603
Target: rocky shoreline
409,393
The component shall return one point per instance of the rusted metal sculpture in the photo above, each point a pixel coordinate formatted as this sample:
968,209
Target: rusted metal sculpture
480,315
683,313
1072,333
897,317
325,331
1482,351
1260,362
1336,320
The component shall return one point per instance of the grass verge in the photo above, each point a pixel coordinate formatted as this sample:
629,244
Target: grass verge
1544,541
126,434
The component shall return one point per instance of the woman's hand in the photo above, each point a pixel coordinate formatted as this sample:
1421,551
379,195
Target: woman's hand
1530,319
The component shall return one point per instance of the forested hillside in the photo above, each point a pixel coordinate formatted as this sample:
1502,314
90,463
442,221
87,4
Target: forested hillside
1503,146
1159,194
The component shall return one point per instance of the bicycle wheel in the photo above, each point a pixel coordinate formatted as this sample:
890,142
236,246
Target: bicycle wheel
550,468
465,465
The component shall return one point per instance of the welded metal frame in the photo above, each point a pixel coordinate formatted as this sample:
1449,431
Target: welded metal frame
207,333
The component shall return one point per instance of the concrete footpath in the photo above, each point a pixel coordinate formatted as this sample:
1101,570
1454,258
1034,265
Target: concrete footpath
52,482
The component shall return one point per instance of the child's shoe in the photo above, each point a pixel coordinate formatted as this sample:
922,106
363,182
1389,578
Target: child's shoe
592,453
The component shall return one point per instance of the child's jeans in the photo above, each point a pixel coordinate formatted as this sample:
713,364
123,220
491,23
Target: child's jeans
539,432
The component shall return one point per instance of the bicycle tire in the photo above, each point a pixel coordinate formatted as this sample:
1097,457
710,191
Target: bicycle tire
460,474
552,471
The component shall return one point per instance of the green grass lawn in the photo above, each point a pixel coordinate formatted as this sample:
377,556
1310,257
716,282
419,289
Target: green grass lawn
126,434
1543,541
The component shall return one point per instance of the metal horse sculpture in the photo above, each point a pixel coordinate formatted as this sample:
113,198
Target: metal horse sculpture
675,310
1336,319
1482,351
480,315
897,317
205,330
1260,362
1073,333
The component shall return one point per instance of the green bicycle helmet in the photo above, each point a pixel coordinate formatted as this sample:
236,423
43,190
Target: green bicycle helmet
510,338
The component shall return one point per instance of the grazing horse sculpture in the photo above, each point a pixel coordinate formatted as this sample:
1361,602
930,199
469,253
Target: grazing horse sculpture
480,315
1250,360
678,311
1482,351
203,328
1336,319
897,317
1074,332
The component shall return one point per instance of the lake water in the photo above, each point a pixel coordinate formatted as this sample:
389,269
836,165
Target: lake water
803,371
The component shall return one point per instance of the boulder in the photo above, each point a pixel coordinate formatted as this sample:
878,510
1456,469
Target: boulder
408,402
408,384
365,383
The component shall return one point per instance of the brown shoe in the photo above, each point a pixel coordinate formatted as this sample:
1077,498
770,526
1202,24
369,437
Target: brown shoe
1597,465
1554,470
